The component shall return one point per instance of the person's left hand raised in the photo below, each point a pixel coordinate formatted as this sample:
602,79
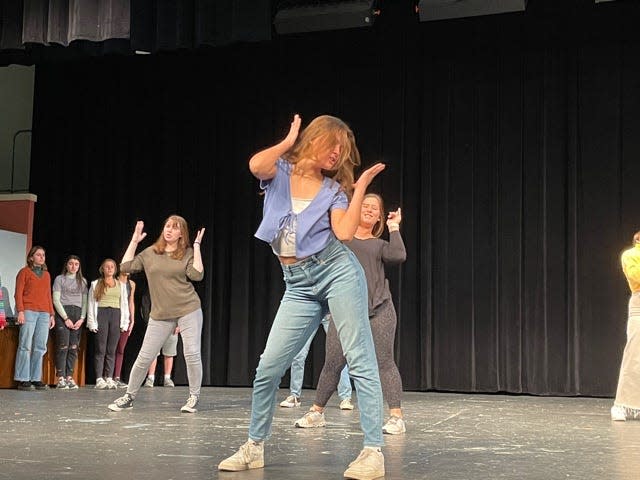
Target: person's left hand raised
394,217
368,175
199,235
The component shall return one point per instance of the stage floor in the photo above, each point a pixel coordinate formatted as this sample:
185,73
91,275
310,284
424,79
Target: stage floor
72,435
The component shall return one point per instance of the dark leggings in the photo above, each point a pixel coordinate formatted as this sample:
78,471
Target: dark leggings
67,341
383,328
106,341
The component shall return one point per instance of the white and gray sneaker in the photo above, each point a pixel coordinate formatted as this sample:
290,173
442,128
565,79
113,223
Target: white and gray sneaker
148,383
346,404
311,419
101,384
250,455
191,405
122,403
394,426
111,385
290,402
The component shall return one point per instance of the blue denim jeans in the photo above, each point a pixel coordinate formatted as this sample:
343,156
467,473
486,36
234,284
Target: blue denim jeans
330,281
297,368
32,345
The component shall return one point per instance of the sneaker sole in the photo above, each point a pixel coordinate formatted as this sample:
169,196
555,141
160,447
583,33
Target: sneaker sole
115,408
365,477
189,410
318,425
389,432
241,468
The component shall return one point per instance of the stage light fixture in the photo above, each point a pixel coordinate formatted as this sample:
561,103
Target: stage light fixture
311,16
429,10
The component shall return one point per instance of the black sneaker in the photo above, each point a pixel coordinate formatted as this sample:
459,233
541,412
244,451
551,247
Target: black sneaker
40,385
25,386
122,403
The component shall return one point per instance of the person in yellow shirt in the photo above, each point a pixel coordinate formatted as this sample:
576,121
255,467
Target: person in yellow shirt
626,405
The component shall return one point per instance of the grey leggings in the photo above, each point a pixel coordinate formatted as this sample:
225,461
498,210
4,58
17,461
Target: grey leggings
383,328
157,333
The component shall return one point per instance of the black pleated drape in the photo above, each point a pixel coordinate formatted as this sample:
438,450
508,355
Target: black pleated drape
511,143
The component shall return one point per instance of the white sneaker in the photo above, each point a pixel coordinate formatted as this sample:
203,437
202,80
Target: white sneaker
111,385
394,426
290,402
250,455
346,404
618,414
311,419
168,382
148,383
368,465
101,384
190,406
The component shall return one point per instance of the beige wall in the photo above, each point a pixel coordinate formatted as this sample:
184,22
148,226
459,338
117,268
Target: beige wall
16,111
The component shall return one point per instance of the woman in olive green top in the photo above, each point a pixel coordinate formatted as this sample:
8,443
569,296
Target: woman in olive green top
170,265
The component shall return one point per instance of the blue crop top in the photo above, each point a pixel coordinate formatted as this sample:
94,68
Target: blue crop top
313,232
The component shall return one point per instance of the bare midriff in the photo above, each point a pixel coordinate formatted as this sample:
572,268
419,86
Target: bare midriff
289,260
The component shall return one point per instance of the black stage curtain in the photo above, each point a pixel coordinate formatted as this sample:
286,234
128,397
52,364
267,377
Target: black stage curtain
512,146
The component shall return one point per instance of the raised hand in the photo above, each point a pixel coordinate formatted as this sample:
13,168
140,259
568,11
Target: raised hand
394,218
368,175
199,236
291,137
138,232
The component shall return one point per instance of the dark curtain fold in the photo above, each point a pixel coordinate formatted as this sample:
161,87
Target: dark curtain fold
190,24
511,144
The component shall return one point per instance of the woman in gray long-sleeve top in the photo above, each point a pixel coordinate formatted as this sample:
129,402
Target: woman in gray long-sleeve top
373,253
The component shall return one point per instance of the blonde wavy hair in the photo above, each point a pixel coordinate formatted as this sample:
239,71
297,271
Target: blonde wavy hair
160,245
320,136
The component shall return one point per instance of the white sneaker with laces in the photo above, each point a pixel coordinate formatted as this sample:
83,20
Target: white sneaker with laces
111,385
168,382
368,466
148,383
290,402
190,406
311,419
101,384
250,455
346,404
394,426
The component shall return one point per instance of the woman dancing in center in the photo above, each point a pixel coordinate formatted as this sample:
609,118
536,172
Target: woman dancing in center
307,179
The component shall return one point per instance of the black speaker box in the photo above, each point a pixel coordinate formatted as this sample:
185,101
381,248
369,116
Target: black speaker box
325,16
